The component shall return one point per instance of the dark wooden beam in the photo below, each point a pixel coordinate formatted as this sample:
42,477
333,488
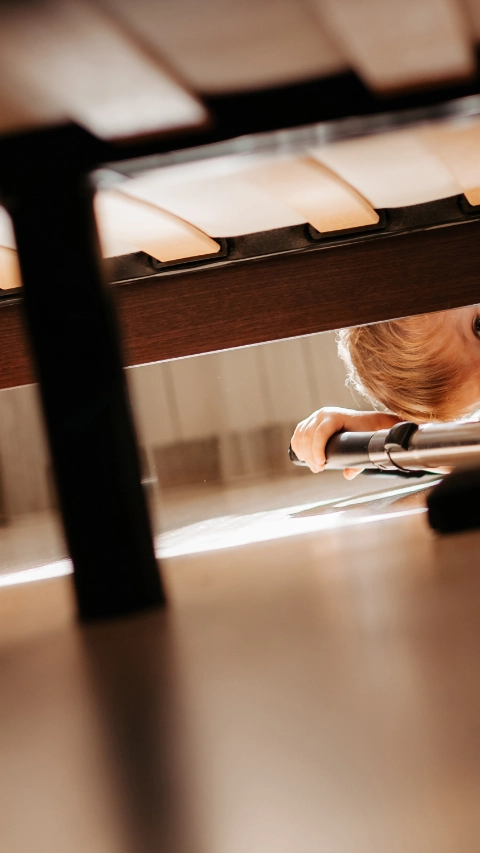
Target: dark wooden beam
249,302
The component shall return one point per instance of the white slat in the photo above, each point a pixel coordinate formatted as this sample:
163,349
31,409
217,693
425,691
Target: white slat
459,148
82,63
9,269
471,10
324,199
127,225
390,170
7,237
394,44
220,46
222,205
26,108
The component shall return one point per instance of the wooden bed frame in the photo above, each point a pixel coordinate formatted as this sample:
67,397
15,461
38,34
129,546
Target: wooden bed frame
232,303
263,287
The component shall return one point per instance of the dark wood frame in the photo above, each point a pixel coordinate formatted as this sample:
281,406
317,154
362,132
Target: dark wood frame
182,313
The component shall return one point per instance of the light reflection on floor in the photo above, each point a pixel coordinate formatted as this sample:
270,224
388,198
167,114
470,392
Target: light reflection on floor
231,531
234,530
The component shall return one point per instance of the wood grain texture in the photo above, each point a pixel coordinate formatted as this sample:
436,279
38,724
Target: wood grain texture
249,302
16,367
299,294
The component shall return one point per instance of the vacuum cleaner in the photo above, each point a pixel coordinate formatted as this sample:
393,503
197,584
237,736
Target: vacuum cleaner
411,450
405,448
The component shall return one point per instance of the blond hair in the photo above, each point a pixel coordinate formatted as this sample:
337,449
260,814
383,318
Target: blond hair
406,366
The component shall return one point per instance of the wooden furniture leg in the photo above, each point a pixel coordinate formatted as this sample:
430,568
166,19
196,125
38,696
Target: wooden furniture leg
73,335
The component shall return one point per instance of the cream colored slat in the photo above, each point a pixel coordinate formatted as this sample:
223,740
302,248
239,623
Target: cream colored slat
221,205
9,269
390,170
127,225
471,10
26,108
7,237
220,46
395,45
324,199
459,148
87,67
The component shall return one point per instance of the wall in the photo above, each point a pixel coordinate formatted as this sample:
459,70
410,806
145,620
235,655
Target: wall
215,417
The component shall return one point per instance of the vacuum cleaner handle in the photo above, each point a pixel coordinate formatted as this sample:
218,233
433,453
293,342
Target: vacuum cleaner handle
374,451
344,450
405,447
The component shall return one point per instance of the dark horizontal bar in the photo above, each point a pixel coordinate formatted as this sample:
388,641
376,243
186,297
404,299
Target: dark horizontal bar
170,315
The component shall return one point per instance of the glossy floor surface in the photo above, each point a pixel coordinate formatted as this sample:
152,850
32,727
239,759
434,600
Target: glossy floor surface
314,691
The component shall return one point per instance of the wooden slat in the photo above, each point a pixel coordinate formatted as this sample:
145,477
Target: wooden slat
220,46
396,45
316,193
279,297
7,237
216,198
127,225
81,62
390,169
471,9
459,148
9,269
24,108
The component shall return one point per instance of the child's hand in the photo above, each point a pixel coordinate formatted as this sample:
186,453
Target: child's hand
311,435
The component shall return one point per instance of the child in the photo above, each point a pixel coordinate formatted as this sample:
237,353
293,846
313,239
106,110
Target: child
423,368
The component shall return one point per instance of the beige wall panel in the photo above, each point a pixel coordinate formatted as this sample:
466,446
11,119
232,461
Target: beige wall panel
23,451
244,392
152,404
459,148
128,225
219,205
390,169
85,66
9,269
292,393
220,46
198,393
394,45
316,193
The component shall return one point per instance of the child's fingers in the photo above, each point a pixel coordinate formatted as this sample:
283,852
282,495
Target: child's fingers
351,473
302,440
327,427
311,436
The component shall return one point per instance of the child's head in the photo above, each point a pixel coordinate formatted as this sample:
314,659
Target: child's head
421,368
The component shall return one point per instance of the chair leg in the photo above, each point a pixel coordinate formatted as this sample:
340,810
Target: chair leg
85,401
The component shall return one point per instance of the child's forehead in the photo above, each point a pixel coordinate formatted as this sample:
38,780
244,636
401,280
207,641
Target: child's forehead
456,320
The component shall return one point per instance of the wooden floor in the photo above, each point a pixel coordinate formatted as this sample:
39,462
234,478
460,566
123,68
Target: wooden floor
313,692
